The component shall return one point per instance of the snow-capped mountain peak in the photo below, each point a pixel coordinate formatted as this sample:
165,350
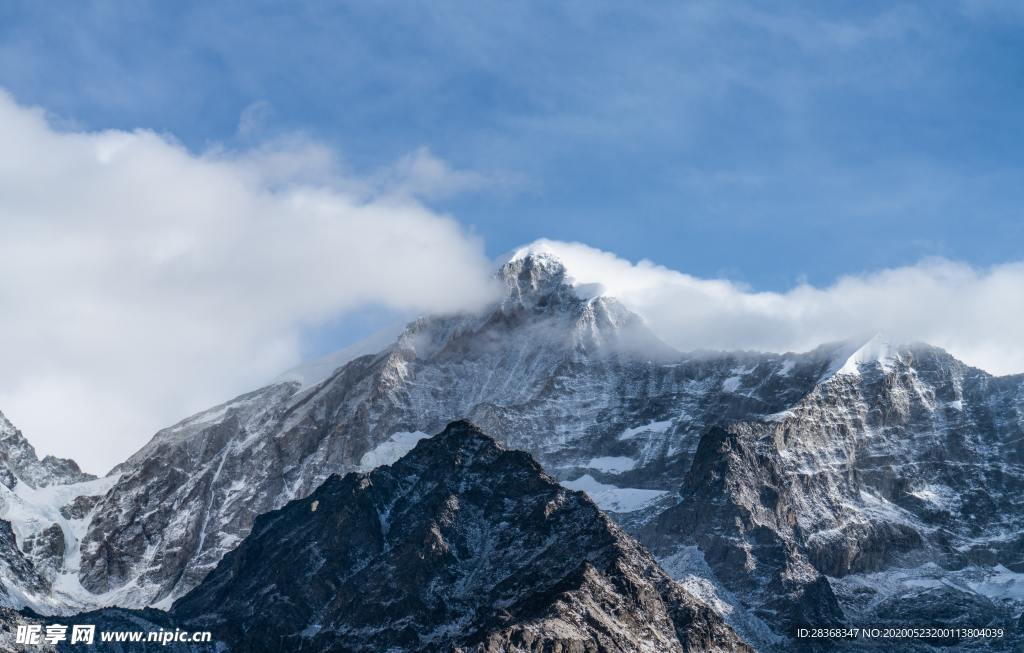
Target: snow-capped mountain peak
876,350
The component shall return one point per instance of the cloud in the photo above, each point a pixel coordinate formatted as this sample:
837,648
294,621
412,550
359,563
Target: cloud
973,313
141,282
423,175
254,118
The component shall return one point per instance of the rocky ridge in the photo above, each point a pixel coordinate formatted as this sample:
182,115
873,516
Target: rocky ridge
460,545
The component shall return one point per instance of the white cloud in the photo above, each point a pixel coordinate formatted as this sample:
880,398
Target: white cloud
973,313
421,174
141,282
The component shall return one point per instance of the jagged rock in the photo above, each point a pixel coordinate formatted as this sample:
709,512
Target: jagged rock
79,507
460,545
46,548
736,508
17,573
18,461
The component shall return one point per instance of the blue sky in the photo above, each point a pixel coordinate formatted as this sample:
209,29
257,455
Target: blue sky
762,142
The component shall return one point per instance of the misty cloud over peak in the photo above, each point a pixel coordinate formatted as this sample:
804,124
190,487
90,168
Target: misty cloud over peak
969,311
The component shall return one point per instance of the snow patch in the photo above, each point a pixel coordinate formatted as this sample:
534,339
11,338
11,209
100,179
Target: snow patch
731,384
938,495
1001,585
878,350
615,499
30,510
652,427
390,450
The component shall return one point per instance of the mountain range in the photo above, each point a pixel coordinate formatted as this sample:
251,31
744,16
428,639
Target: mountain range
733,497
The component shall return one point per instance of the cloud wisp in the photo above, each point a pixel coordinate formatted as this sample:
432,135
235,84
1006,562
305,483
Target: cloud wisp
141,282
973,313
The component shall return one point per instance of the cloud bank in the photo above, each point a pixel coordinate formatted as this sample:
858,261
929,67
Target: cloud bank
141,282
973,313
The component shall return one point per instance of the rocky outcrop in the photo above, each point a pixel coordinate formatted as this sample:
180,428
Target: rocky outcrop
46,548
17,573
736,508
868,502
19,462
459,546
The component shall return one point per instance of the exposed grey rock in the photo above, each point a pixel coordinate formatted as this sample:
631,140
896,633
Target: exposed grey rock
17,573
46,549
79,507
899,471
735,508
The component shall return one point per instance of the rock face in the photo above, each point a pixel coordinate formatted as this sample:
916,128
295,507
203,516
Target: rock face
18,575
891,494
460,545
735,510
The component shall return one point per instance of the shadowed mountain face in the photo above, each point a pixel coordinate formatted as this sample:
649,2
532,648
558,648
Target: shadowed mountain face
460,545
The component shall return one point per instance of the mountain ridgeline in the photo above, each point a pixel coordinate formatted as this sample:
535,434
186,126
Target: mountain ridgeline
862,483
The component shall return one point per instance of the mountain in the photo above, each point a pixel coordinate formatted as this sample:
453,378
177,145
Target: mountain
459,545
858,483
578,382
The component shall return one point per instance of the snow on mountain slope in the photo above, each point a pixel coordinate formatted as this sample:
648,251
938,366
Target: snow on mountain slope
48,524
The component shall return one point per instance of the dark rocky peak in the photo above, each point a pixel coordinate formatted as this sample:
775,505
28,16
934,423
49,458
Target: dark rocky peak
461,545
19,462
